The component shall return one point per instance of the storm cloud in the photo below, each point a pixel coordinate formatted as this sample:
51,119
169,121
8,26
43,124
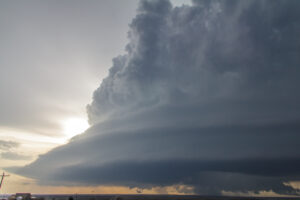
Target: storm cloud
207,95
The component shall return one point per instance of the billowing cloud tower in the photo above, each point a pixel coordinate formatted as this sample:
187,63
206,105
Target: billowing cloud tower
206,96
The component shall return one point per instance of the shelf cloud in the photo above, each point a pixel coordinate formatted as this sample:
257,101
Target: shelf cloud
207,95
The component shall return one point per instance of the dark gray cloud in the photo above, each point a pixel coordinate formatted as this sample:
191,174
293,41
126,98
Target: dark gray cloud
206,95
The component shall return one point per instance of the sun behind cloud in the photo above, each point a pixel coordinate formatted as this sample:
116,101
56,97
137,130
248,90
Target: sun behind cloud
74,126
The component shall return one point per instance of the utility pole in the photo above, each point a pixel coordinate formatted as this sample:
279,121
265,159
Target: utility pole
2,178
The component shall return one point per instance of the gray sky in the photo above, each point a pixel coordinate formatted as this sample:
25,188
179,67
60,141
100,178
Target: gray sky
53,55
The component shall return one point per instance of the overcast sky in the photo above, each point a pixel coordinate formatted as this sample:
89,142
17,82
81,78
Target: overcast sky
196,98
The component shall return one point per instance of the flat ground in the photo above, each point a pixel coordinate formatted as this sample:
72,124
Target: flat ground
154,197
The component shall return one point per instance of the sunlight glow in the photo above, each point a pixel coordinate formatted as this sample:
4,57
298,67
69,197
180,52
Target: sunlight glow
74,126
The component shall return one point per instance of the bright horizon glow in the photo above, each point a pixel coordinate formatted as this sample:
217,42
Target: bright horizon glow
74,126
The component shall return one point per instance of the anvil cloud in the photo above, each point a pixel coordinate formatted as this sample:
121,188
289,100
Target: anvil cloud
207,95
